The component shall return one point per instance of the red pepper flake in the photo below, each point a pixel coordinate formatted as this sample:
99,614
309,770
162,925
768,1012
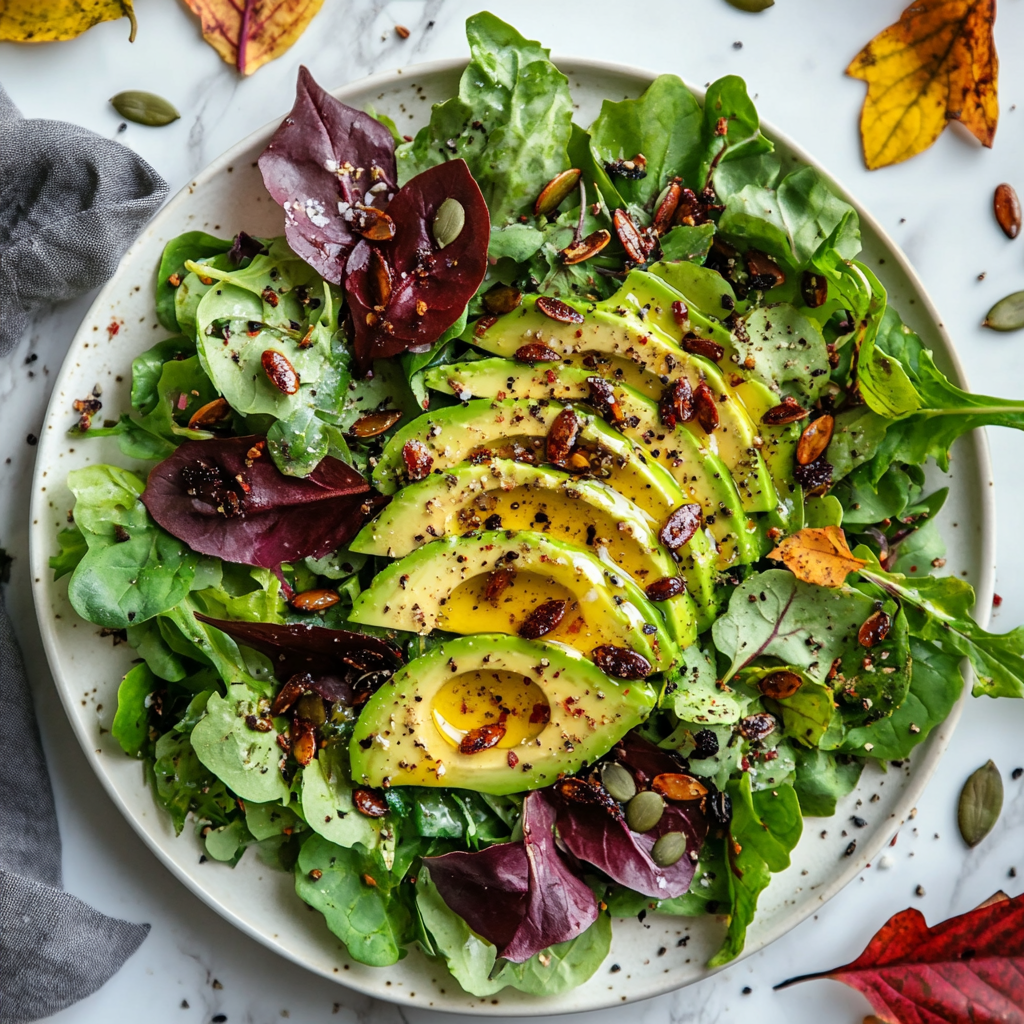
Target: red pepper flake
513,760
996,600
113,328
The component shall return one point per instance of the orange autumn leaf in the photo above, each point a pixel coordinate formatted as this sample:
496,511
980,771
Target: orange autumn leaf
249,33
819,556
47,21
938,63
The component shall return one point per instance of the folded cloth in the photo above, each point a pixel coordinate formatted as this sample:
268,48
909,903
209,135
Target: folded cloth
71,202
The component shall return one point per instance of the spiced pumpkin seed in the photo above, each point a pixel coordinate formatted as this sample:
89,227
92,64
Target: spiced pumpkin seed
559,188
618,782
449,221
644,811
981,801
1007,314
669,849
144,108
1006,207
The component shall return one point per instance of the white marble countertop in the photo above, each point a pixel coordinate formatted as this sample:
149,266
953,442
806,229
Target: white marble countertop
194,968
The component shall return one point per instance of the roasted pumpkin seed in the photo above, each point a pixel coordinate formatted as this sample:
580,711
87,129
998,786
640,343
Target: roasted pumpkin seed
144,108
669,849
618,782
1006,207
644,811
554,193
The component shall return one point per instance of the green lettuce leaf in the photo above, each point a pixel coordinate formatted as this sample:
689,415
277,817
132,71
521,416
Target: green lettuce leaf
822,779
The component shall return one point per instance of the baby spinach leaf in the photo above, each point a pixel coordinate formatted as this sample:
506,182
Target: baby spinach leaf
684,242
805,715
227,843
871,684
510,122
149,643
193,245
782,347
793,222
245,760
148,367
765,827
131,720
743,140
132,570
665,125
266,820
935,686
773,613
371,919
822,779
323,160
327,801
694,695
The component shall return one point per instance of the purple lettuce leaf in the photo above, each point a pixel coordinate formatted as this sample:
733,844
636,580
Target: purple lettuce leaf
596,837
326,153
430,286
522,896
340,662
225,497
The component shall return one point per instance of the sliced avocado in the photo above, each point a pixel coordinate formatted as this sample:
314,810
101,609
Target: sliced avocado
508,495
453,434
657,360
558,712
700,474
444,585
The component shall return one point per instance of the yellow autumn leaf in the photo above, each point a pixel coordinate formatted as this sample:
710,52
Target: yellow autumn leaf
938,63
49,21
819,556
249,33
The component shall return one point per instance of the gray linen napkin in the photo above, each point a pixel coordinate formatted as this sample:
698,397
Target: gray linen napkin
71,202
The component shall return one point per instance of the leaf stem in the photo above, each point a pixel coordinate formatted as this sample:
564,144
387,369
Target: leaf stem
243,35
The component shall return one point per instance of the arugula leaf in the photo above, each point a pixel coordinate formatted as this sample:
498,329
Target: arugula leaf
132,570
471,959
944,412
664,124
765,827
939,609
370,919
871,684
73,548
822,779
774,613
131,720
193,245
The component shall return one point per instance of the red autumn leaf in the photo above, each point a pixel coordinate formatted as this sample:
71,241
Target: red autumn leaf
967,970
427,284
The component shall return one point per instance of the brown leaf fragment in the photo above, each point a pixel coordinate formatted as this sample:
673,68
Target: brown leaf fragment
818,555
938,63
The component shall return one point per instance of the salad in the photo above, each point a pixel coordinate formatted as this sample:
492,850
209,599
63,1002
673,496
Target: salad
537,532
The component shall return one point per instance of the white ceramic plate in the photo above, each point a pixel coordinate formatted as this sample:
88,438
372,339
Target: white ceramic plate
661,954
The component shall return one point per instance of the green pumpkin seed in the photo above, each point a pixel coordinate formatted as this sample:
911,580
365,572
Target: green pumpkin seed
644,811
449,221
311,707
618,782
669,849
981,800
144,108
752,6
1007,314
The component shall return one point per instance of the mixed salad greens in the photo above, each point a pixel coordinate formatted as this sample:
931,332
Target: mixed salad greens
537,532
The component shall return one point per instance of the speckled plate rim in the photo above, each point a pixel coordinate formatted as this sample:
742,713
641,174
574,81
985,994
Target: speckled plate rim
925,761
